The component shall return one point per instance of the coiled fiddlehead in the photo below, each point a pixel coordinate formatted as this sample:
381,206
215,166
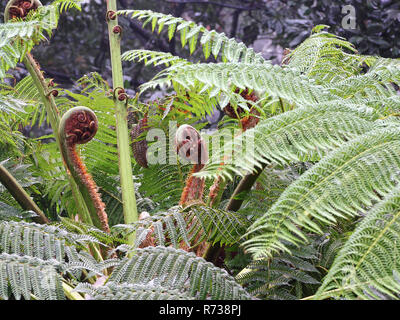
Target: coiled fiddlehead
252,119
20,8
139,148
190,146
77,126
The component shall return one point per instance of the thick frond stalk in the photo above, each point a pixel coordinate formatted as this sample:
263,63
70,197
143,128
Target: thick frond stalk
303,134
342,185
120,99
368,267
178,270
20,195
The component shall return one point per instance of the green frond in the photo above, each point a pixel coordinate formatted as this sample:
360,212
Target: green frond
127,291
212,42
303,134
341,185
19,37
8,212
178,270
65,5
42,241
149,57
30,278
163,183
192,225
277,279
272,181
9,207
84,229
323,57
93,82
367,266
220,79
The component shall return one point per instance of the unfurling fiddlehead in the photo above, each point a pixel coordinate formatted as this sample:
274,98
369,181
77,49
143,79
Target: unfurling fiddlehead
190,146
20,8
139,148
252,119
77,126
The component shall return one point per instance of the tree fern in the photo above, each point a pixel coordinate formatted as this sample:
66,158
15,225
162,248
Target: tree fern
304,134
127,291
367,266
30,277
190,33
192,226
149,57
343,184
41,241
178,270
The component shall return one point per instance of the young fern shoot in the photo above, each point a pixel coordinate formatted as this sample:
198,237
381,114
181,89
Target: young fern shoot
79,125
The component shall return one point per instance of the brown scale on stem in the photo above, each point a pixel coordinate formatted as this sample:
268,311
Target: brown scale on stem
190,146
139,148
252,119
78,126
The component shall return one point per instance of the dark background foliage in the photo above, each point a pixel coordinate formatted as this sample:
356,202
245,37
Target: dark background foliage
80,44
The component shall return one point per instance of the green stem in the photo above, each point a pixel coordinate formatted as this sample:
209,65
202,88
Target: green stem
69,293
125,165
245,185
20,195
54,119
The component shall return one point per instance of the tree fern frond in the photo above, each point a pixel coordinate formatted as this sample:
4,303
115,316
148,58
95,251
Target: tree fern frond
127,291
149,57
164,183
276,278
343,184
212,42
93,82
30,277
8,212
367,266
323,57
42,241
180,270
376,83
303,134
217,78
192,225
65,5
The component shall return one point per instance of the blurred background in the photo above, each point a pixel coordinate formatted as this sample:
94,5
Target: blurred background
80,44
